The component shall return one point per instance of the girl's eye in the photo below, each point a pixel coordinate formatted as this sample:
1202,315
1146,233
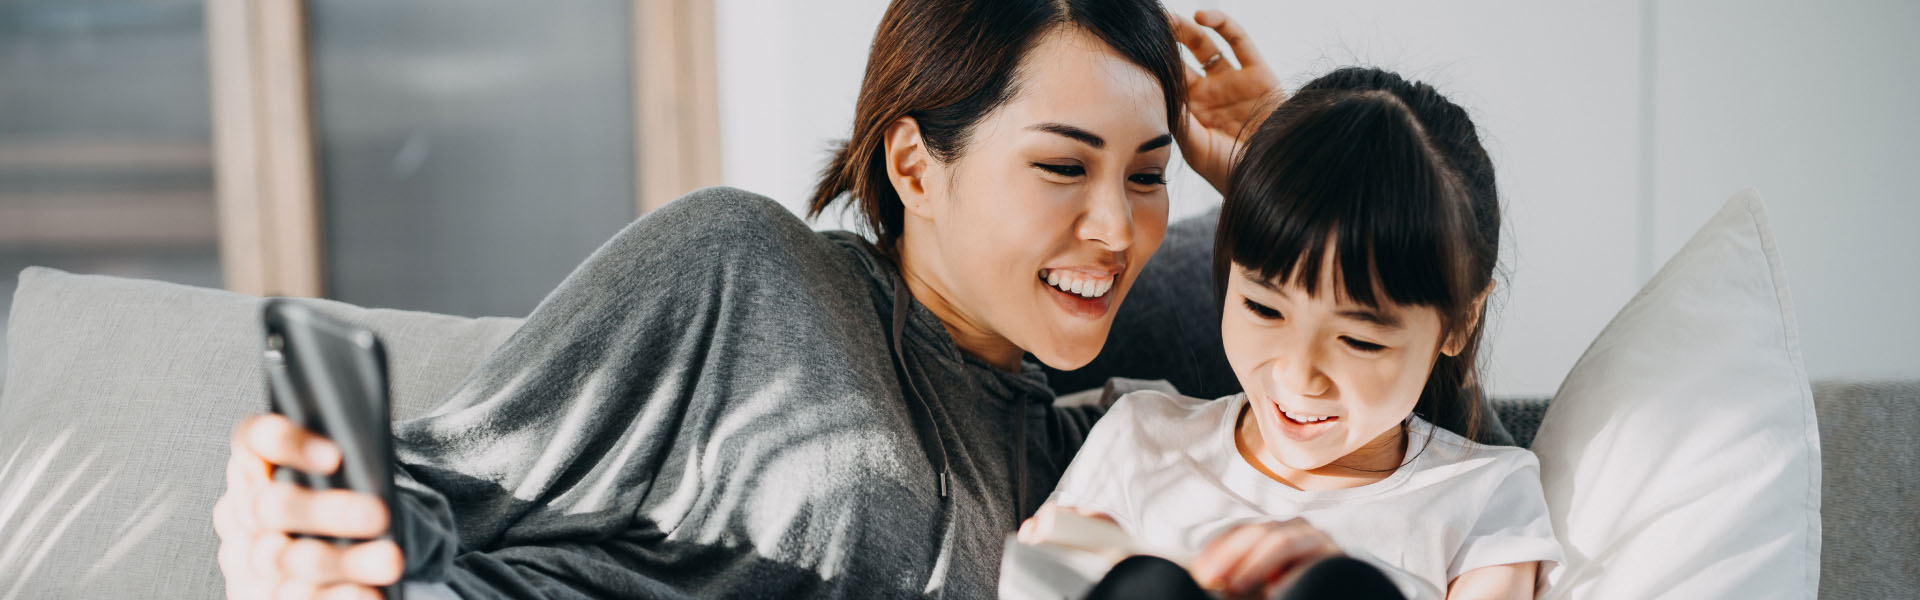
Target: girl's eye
1363,346
1262,310
1148,179
1062,170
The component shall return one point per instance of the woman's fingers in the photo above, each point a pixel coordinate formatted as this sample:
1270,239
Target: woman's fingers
374,563
347,591
294,589
1197,41
312,560
1235,35
276,440
338,513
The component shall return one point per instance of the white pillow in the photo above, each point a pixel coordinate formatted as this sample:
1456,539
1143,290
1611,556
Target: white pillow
1680,456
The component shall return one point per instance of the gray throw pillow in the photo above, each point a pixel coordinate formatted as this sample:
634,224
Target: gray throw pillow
119,398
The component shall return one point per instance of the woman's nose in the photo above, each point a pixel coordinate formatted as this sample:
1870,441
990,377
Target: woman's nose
1109,219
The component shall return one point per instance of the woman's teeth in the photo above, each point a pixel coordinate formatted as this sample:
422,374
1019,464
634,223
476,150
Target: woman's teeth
1081,285
1298,418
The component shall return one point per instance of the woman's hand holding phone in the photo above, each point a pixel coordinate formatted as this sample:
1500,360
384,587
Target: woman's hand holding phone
259,521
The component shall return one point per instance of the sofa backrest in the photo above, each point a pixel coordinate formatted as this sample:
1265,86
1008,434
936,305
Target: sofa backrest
119,398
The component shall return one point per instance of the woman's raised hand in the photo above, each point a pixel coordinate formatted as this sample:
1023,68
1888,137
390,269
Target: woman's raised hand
1224,103
1256,559
257,518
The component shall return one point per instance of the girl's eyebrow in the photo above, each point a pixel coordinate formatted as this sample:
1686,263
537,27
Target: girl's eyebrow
1381,319
1365,315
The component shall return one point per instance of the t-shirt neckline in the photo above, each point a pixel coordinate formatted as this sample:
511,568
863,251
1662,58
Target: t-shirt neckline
1249,482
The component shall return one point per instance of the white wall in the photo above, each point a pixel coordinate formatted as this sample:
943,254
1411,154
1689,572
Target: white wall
1803,100
1816,105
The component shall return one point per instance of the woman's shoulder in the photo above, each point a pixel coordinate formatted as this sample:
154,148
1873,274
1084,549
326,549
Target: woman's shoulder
729,222
730,232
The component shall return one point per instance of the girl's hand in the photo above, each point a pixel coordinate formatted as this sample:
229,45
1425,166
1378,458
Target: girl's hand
1259,558
256,519
1224,104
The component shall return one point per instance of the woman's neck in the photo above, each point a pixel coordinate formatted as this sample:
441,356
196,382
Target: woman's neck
973,338
1372,462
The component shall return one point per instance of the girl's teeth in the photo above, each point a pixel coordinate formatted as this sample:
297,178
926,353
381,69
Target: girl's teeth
1300,419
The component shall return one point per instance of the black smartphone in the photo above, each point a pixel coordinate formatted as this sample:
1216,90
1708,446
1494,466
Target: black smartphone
330,377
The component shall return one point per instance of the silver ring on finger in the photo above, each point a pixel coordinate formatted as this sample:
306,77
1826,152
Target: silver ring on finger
1212,60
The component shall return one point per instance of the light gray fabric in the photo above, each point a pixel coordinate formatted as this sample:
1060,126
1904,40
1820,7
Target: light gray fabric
113,424
721,402
1870,488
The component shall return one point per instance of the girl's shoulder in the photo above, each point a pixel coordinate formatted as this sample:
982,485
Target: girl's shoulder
1154,419
1169,409
1442,449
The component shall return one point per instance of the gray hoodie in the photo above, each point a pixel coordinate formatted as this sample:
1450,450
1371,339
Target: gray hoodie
722,402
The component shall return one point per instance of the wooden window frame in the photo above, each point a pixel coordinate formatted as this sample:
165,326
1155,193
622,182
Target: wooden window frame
263,132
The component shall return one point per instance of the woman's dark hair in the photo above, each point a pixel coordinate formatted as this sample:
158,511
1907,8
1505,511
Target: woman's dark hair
947,63
1393,175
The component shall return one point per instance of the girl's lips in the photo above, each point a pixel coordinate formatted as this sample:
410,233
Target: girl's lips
1297,431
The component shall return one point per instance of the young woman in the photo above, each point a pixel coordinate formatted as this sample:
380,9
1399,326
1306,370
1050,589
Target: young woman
721,402
1355,252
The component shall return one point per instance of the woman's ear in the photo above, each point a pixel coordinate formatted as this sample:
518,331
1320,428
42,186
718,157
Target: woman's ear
907,165
1457,341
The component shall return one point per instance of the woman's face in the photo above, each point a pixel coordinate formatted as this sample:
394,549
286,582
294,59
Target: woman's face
1326,378
1030,239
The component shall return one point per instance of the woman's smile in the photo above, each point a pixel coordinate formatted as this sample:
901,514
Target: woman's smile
1083,292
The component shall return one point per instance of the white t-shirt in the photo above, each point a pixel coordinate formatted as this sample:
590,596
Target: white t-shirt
1166,468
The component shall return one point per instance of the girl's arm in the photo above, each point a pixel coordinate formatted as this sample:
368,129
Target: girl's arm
1510,581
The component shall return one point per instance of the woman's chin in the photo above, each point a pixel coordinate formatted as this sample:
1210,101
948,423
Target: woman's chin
1072,354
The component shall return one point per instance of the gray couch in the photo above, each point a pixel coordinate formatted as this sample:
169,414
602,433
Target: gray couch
120,394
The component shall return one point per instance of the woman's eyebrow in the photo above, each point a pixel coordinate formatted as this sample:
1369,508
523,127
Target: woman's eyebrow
1098,143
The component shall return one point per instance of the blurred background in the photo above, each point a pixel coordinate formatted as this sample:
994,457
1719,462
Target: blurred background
460,156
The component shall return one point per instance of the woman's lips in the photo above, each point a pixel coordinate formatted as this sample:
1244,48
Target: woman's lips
1080,306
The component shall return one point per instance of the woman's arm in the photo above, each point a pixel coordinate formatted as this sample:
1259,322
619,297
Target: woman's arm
1507,582
539,471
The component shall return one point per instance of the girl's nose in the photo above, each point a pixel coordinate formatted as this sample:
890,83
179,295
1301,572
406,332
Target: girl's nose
1297,372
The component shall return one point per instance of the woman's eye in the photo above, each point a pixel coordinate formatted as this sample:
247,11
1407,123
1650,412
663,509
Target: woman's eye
1363,346
1262,310
1148,179
1062,170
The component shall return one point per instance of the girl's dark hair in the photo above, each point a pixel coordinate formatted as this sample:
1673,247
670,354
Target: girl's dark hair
947,63
1393,174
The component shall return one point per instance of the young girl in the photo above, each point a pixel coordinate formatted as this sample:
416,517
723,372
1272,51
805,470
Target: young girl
1354,257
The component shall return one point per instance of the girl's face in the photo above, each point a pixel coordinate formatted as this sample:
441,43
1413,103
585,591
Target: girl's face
1030,239
1328,381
